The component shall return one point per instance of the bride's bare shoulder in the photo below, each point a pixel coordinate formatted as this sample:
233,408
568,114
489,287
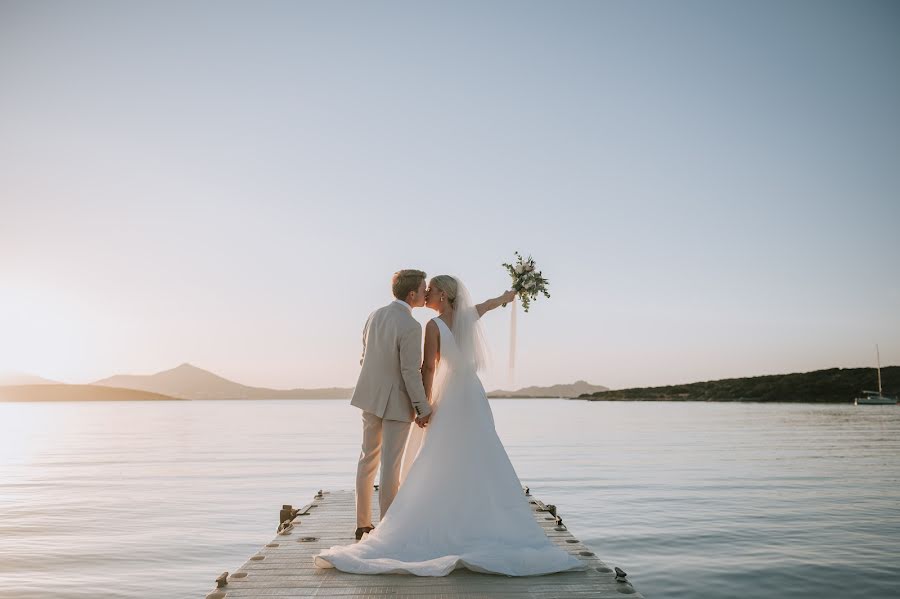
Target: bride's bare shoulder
432,340
432,328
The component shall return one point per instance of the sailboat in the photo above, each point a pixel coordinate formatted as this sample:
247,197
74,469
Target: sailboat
875,398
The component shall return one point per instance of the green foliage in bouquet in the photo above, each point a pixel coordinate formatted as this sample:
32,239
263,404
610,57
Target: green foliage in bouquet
527,280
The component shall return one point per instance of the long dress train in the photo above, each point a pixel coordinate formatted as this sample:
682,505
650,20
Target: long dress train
461,503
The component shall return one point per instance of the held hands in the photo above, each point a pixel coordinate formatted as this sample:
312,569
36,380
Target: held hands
422,421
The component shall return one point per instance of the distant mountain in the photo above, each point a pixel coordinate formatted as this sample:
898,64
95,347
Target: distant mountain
23,378
833,385
189,382
574,390
62,392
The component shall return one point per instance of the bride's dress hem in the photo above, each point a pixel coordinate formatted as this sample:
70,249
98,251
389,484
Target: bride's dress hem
442,566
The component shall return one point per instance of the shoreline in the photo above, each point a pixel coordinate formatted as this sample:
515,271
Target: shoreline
4,400
705,400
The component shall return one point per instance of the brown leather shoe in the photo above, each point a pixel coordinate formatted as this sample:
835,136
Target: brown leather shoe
363,530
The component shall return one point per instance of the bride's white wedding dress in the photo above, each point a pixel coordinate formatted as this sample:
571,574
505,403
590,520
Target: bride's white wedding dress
460,503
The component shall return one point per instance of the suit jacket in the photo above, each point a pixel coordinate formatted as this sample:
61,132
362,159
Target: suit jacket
390,384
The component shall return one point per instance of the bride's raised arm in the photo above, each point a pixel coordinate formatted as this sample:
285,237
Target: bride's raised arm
488,305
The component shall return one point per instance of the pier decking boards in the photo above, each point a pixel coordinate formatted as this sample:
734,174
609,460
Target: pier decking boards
284,567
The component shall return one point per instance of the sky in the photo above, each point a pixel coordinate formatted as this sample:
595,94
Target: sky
712,188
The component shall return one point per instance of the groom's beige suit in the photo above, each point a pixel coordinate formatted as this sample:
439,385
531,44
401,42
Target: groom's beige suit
391,395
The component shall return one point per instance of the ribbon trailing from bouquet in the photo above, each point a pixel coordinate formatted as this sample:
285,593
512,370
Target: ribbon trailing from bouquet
511,375
528,283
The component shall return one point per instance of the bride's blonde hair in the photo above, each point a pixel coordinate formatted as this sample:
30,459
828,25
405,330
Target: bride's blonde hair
448,285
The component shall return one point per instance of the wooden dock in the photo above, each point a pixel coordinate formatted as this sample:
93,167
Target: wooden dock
284,567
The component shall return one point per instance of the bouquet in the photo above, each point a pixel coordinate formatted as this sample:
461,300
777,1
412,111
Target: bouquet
527,280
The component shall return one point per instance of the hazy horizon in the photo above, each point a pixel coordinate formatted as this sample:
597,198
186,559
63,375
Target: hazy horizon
712,189
4,374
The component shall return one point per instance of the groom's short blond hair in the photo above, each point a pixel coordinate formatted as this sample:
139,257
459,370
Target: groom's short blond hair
405,281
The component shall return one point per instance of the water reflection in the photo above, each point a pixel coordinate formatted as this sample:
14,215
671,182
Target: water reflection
718,500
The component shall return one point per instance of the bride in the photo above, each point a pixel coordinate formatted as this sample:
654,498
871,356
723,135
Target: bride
460,503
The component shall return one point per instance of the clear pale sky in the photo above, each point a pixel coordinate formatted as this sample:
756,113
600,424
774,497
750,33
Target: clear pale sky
712,188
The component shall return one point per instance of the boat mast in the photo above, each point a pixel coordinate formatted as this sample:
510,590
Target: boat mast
878,361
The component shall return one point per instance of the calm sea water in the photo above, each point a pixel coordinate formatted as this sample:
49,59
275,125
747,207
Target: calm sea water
130,499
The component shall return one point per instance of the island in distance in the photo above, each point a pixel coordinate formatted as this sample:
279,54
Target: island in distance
832,385
39,392
573,390
31,388
189,382
185,382
192,383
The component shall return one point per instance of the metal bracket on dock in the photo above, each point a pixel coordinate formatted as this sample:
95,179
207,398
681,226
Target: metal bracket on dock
285,527
546,507
286,517
289,513
540,506
222,580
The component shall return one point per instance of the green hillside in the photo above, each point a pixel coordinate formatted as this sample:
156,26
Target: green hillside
834,385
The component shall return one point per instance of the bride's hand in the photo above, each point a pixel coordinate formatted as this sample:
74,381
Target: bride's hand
500,300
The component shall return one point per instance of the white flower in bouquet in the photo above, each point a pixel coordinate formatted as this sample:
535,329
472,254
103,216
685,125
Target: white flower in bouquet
527,280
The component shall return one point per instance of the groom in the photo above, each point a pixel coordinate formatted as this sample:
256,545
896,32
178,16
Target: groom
389,392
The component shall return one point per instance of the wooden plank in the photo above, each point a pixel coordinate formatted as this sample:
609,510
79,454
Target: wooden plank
284,567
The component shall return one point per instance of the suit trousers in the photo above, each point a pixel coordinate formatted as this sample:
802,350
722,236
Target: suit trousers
385,439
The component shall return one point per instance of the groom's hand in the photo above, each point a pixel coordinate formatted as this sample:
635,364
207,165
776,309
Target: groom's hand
423,420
